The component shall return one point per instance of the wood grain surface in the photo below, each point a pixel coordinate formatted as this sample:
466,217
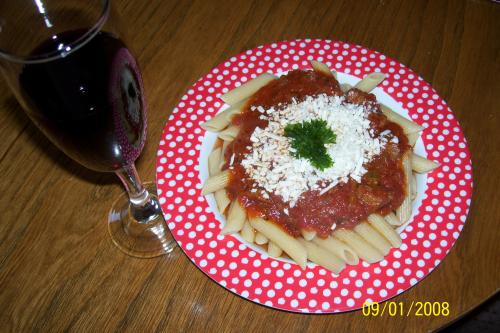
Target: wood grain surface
59,270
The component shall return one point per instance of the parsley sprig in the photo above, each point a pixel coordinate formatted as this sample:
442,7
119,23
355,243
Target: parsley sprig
309,139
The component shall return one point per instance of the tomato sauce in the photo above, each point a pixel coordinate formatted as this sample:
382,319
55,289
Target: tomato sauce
381,190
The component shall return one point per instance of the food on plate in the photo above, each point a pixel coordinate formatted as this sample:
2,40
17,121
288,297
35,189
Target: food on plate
313,169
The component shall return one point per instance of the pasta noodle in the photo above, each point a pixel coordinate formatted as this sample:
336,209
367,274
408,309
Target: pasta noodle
322,257
308,234
413,187
340,249
222,200
392,219
322,68
247,232
236,217
373,237
380,224
274,250
260,239
404,211
421,164
247,89
345,87
216,182
369,82
290,245
225,144
214,160
223,119
407,125
229,133
412,138
363,249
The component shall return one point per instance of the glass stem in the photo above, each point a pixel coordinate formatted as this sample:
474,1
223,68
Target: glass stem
144,206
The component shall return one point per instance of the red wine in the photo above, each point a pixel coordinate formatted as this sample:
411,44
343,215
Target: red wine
89,101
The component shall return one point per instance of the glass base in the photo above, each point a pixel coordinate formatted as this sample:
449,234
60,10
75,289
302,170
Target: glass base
147,239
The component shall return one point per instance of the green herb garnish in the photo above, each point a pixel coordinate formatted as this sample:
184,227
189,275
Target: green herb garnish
309,139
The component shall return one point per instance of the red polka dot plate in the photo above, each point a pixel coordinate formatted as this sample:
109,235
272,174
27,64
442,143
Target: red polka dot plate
439,212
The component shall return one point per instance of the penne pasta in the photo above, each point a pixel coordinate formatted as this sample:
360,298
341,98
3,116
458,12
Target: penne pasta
235,220
216,182
403,212
363,249
373,237
222,200
247,232
340,249
229,133
413,187
260,239
223,119
274,250
345,87
308,234
323,257
225,144
381,225
224,148
214,161
322,68
369,82
407,125
289,244
392,219
222,155
247,89
422,165
412,138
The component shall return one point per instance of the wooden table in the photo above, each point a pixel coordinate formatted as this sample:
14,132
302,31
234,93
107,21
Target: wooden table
58,267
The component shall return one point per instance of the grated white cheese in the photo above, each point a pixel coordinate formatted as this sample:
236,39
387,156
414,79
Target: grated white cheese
270,161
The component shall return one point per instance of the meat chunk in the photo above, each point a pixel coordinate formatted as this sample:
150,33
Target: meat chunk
356,96
370,196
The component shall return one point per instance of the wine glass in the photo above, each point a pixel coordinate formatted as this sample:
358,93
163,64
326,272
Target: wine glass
68,66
